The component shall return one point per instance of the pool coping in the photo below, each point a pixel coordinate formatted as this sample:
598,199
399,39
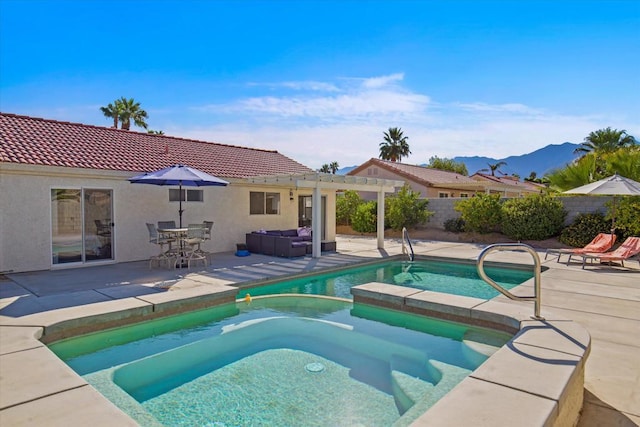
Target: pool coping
537,378
551,396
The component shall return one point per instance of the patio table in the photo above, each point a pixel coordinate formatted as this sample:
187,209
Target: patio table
179,234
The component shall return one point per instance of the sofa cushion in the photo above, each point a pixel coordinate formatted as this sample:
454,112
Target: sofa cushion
290,233
274,233
304,232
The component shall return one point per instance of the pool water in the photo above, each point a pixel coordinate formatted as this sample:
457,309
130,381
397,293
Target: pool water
280,361
439,276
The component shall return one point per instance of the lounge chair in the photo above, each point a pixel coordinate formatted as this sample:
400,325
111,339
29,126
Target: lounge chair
601,243
626,250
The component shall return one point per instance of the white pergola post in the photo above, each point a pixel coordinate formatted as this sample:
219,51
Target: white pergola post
316,222
380,225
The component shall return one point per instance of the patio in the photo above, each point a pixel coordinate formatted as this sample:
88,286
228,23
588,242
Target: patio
604,300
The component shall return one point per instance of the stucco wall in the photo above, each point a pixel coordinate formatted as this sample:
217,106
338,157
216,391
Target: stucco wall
25,213
574,205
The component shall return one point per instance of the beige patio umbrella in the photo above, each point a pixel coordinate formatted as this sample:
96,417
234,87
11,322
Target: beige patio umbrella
614,185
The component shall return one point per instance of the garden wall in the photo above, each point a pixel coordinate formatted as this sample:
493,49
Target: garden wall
574,205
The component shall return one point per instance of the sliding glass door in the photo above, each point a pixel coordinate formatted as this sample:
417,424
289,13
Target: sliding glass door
81,225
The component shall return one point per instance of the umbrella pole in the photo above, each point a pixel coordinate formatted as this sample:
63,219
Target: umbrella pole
613,216
180,198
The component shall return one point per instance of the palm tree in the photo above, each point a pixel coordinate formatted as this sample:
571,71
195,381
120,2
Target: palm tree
395,145
605,141
334,166
124,110
112,111
495,167
155,132
131,111
324,168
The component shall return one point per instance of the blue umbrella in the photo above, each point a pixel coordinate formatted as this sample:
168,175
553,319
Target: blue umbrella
179,175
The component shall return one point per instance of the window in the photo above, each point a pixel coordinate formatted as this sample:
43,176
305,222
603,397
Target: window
191,195
264,203
443,195
464,195
372,171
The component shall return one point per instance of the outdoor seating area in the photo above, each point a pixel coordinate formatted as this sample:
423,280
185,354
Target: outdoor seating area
183,244
601,243
283,243
628,249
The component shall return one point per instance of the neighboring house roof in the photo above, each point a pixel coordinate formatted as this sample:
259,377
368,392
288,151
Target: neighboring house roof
37,141
418,174
509,180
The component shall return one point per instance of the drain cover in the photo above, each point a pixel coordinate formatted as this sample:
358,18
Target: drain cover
314,367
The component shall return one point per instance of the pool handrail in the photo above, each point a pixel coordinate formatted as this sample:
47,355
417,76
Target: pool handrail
405,238
536,268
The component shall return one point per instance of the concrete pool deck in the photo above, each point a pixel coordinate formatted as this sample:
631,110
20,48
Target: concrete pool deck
604,300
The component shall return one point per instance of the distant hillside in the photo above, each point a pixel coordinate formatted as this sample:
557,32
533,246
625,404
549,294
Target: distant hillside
541,161
345,170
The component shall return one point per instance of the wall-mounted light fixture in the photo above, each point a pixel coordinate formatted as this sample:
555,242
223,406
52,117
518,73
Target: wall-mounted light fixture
291,195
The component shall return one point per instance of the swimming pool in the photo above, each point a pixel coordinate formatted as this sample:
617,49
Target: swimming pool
433,275
281,360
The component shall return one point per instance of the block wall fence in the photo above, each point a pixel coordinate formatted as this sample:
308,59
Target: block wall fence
574,205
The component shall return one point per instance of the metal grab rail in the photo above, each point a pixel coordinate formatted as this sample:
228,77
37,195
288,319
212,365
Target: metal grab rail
537,270
405,237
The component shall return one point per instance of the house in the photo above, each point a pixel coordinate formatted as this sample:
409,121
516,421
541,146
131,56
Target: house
507,185
66,199
435,183
429,182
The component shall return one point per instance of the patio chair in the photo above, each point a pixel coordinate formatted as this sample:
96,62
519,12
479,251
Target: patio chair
164,256
208,225
102,228
195,237
166,224
628,249
601,243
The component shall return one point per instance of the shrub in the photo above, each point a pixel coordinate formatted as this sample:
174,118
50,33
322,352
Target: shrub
364,220
346,205
406,209
627,216
481,213
583,229
455,225
535,217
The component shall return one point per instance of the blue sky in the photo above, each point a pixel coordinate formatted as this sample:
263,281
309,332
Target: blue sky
320,81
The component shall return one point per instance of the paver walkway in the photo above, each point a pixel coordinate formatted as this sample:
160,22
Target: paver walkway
604,300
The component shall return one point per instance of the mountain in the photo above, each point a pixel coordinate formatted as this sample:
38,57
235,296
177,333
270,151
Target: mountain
541,161
345,170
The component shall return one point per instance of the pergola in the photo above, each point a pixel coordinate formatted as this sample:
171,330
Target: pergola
322,181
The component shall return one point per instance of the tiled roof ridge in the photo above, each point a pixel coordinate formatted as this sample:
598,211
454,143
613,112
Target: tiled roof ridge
20,116
390,163
409,170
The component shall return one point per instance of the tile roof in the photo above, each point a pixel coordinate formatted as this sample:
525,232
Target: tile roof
509,180
39,141
420,174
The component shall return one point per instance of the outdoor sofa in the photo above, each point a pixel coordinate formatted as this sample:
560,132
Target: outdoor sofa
283,243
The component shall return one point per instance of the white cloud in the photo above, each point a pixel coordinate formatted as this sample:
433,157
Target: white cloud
346,125
301,85
382,81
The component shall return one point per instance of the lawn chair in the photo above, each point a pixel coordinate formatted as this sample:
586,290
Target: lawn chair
630,247
600,244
